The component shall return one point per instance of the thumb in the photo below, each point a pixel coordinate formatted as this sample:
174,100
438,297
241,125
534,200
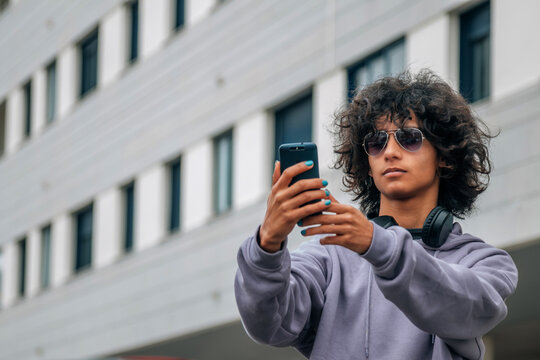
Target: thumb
277,172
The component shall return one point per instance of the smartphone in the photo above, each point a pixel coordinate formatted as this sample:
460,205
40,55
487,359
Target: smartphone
291,154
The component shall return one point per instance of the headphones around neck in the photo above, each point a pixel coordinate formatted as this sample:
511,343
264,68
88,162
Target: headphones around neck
435,231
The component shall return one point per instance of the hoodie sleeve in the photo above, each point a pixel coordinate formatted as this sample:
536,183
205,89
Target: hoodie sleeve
461,300
276,303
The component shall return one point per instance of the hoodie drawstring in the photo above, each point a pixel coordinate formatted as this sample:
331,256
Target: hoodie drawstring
366,345
433,335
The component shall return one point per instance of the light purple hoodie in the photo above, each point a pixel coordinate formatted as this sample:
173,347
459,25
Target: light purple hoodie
399,300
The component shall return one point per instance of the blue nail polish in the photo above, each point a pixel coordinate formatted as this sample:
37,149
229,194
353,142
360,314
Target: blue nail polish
309,163
303,232
327,202
324,183
299,223
327,192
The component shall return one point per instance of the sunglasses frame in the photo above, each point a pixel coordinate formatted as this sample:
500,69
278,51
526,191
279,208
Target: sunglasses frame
393,132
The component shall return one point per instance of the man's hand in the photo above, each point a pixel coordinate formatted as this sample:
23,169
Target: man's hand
351,228
284,209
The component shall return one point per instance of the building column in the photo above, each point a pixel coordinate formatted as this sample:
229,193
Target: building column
252,172
61,249
9,274
150,210
67,80
14,121
329,95
33,262
107,244
112,45
155,21
196,179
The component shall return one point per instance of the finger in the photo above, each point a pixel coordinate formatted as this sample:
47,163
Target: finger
287,175
277,172
306,184
340,208
323,219
324,229
308,210
332,240
304,198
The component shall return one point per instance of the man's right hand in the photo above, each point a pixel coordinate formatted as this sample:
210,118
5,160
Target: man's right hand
284,209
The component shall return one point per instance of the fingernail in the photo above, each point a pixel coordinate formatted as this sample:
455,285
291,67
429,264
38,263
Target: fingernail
299,223
303,232
327,202
309,163
324,183
327,192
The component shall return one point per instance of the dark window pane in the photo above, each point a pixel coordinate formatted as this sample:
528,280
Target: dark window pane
51,92
388,61
22,266
223,172
2,127
27,109
294,123
45,256
179,17
174,213
89,63
134,30
129,199
474,78
83,243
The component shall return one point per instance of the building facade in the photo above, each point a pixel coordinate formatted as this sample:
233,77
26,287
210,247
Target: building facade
137,140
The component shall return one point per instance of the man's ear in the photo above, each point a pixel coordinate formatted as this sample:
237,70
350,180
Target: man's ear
370,173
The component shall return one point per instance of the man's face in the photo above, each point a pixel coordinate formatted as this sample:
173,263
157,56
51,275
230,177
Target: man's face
400,174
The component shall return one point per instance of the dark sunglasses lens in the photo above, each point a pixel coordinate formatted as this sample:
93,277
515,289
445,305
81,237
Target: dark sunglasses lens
375,142
410,139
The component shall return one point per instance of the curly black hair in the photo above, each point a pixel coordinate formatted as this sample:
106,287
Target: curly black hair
460,138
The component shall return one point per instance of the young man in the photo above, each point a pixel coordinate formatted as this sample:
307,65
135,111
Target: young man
411,149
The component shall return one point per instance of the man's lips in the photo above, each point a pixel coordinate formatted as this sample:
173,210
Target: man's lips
393,170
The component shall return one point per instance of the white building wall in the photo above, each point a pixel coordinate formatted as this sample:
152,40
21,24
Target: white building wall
251,159
14,120
428,46
107,242
38,101
197,10
515,28
150,209
61,249
9,274
112,45
330,94
33,261
196,192
66,82
155,25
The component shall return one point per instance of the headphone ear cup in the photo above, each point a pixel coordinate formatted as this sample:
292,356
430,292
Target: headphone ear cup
437,227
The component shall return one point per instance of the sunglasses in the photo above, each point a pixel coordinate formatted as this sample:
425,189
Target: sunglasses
410,139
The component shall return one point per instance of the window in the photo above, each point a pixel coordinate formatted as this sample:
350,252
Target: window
45,257
89,63
133,11
223,172
129,211
294,122
179,14
51,92
174,206
83,238
388,61
27,89
22,267
474,58
3,5
2,127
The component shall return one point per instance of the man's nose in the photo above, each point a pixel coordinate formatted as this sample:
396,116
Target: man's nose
392,147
